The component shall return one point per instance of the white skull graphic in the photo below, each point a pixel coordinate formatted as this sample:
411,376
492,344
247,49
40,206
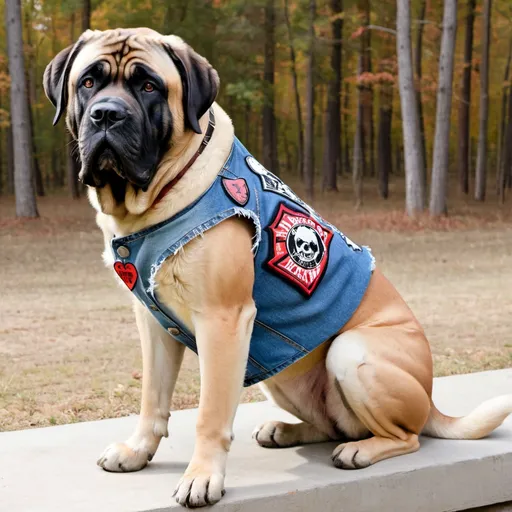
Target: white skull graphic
306,242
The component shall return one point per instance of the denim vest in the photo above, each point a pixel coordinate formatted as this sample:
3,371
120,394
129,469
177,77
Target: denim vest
309,277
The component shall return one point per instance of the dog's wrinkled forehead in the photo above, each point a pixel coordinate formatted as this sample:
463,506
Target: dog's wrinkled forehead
121,50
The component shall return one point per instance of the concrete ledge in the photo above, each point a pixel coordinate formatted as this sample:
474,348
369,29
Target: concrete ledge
54,469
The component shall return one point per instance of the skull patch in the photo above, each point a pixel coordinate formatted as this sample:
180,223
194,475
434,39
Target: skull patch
299,251
305,246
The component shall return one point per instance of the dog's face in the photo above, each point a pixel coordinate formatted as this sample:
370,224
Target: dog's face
129,94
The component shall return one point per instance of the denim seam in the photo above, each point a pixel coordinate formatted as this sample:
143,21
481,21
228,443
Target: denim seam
258,365
283,337
269,373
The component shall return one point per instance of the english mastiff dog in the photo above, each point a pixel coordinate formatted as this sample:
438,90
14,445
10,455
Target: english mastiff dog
222,257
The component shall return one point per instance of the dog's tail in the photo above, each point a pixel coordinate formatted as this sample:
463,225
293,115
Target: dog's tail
477,424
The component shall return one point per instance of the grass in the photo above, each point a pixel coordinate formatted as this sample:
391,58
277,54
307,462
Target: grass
69,348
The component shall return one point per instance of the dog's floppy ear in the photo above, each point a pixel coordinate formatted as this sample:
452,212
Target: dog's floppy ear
200,82
56,76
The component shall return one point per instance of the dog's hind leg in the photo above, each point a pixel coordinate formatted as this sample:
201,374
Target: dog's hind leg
382,388
161,362
303,396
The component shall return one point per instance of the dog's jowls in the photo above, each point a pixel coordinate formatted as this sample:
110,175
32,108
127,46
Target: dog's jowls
138,103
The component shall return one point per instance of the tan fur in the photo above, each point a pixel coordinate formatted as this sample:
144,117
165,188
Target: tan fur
370,387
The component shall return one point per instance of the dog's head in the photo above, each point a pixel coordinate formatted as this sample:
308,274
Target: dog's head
128,95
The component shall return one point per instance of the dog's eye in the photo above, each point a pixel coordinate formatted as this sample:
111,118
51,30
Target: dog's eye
148,87
88,83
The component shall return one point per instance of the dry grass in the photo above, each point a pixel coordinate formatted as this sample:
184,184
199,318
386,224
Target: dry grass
68,344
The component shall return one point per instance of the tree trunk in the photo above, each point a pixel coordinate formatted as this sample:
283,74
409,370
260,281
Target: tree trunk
415,185
506,166
384,150
385,160
346,150
357,165
386,83
503,120
418,58
300,129
86,15
332,132
32,100
438,191
269,120
366,96
309,146
465,101
23,183
481,159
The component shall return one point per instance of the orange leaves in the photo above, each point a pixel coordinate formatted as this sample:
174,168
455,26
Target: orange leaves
358,33
5,81
367,79
336,17
4,119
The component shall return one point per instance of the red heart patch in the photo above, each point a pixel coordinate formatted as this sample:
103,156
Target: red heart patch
127,272
237,190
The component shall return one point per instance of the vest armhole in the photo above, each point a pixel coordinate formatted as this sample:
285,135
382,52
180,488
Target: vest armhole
250,215
200,230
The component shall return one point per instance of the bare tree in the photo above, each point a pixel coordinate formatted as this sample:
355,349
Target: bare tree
23,182
366,96
332,132
465,100
270,160
418,69
503,122
309,147
385,84
481,160
357,164
384,151
506,165
30,77
415,185
438,190
300,129
346,105
86,15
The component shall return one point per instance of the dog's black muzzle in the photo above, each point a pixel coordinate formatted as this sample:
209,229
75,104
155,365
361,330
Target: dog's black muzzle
111,143
109,113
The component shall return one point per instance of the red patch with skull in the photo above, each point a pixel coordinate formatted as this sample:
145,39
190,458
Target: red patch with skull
299,249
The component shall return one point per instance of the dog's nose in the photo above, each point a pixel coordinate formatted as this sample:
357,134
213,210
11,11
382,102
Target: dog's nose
107,114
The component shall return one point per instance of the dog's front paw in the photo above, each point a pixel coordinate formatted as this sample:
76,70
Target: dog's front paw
199,489
121,458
